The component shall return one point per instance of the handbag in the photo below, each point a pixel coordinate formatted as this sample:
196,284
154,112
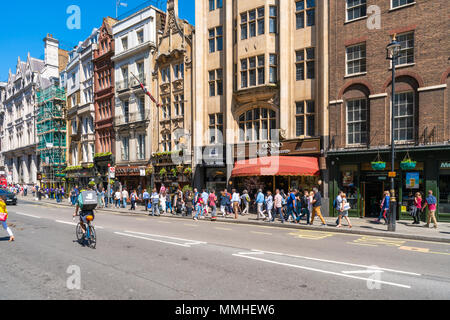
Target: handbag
3,216
346,206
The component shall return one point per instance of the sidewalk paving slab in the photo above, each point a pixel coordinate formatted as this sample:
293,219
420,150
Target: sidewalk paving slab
364,226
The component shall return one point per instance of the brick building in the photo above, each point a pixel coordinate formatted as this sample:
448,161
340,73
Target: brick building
104,99
360,95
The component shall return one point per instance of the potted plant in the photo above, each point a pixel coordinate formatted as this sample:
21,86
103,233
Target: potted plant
187,171
174,172
378,164
149,171
407,163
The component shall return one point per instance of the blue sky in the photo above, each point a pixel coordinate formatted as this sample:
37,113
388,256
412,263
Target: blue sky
27,23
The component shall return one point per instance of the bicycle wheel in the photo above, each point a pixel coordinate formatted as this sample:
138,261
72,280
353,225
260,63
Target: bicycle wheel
92,237
79,232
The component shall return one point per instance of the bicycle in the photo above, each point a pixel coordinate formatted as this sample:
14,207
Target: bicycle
90,236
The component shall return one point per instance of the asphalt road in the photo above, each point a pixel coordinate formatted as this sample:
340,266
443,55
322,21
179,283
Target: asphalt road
164,258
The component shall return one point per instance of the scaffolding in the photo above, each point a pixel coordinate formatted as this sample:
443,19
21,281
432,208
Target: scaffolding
51,131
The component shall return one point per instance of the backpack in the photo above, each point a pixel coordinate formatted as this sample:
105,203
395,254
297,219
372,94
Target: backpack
334,203
88,200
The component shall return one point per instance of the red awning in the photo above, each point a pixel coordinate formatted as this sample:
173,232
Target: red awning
277,166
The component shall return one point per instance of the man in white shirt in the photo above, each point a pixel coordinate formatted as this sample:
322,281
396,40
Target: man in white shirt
155,203
125,197
117,197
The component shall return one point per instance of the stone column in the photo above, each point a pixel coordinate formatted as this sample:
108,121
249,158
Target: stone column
26,174
33,169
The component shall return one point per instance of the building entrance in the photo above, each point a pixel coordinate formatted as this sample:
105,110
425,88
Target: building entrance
373,187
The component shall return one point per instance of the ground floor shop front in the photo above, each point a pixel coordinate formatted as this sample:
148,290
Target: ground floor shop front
352,172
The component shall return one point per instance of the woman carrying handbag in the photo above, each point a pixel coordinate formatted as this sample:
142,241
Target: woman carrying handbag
343,211
4,217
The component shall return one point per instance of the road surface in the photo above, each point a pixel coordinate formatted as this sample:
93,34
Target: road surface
141,257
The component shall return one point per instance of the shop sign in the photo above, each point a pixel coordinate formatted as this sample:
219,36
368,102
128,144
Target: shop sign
287,147
142,172
445,165
127,171
412,180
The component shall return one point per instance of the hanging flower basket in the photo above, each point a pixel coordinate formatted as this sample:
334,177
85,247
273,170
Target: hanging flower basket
174,172
149,171
187,171
162,172
180,168
378,165
407,163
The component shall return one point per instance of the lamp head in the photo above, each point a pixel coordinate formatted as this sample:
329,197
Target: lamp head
393,48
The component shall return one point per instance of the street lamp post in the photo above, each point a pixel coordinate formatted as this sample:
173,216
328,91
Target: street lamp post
392,51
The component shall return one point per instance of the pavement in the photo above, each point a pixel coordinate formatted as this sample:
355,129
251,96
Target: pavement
363,226
144,257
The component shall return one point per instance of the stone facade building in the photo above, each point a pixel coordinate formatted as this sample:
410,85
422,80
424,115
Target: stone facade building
261,71
360,101
19,138
135,45
173,79
81,111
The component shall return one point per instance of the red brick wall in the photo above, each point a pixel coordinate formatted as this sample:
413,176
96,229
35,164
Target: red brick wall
429,20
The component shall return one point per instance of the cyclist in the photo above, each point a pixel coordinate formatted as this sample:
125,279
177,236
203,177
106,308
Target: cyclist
79,205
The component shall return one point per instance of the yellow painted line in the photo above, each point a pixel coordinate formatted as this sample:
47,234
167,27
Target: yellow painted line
190,225
423,250
363,244
435,252
311,235
257,232
219,228
141,219
164,222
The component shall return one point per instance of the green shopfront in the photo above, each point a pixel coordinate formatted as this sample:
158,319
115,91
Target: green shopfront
352,172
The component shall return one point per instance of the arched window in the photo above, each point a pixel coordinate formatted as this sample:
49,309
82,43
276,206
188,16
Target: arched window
256,124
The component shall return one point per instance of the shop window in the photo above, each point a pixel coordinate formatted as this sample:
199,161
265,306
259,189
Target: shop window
348,184
444,193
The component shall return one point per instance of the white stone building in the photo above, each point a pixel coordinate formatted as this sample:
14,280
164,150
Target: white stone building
18,138
79,81
135,44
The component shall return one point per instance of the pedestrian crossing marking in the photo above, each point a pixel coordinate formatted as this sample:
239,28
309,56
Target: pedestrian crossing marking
311,235
375,241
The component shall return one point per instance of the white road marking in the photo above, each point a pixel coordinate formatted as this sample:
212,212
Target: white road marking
187,243
27,215
362,271
156,240
66,222
323,271
339,262
253,252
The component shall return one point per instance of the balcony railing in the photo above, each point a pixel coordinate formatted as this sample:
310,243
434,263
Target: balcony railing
131,118
123,85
